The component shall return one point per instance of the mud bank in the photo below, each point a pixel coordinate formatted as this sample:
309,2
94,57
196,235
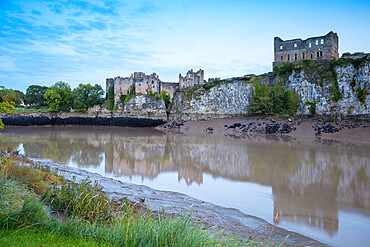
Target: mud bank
305,130
212,216
85,118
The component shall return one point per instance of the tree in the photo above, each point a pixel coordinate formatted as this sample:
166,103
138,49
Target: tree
261,103
35,95
86,96
5,107
110,98
14,97
166,97
59,97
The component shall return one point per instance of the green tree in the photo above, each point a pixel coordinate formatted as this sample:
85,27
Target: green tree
110,98
261,103
166,97
86,96
5,107
59,97
15,97
273,100
35,95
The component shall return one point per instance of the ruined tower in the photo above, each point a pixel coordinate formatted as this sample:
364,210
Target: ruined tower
320,49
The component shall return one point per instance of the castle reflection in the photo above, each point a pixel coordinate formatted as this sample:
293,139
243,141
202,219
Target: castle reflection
308,182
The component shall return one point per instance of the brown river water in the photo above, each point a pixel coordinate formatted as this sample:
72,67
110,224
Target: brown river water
321,191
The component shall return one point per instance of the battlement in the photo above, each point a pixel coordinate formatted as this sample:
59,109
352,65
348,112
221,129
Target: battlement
320,48
192,78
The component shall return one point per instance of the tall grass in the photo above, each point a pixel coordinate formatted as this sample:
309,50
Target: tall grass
33,176
92,215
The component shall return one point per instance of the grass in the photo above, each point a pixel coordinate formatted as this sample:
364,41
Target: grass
40,237
93,219
31,109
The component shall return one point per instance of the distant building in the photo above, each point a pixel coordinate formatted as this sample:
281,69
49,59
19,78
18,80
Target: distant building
191,79
321,48
145,83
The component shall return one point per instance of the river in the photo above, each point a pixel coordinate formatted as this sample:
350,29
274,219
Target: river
321,191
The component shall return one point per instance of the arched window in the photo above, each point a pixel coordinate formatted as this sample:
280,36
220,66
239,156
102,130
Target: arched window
296,56
295,45
317,42
303,56
320,53
281,58
322,41
288,57
311,56
317,54
281,47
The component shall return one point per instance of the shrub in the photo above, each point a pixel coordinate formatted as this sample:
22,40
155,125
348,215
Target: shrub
361,94
312,105
276,100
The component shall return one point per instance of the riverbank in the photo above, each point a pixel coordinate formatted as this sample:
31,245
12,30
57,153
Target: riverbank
121,119
214,217
303,130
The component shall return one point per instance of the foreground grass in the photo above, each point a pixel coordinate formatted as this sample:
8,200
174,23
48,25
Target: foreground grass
93,218
37,237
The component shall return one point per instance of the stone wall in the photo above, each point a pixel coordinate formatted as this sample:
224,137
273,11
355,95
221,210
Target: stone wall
315,48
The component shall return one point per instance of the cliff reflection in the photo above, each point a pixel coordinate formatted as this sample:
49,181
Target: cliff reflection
308,182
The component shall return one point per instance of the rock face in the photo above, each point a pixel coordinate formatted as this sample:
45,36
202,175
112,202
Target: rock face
145,104
348,78
223,100
315,83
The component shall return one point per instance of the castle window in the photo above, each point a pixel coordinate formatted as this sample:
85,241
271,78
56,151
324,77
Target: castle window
303,56
281,47
320,53
311,56
317,42
281,58
309,45
139,84
295,56
322,41
153,86
288,56
152,82
295,45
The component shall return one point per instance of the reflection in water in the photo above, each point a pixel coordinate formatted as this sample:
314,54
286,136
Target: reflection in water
309,183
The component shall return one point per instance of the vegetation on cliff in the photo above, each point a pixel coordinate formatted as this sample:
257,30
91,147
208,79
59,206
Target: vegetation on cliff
274,100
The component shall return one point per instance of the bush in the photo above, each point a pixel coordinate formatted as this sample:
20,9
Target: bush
110,98
312,105
275,100
361,94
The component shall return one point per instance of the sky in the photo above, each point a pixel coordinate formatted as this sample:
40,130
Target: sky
78,41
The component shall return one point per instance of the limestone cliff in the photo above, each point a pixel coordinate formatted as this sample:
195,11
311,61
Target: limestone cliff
349,79
223,100
313,82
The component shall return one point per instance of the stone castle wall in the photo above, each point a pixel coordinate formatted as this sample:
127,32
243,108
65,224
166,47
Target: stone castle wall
321,48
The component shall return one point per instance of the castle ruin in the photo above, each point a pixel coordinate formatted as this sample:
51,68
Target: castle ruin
191,79
143,84
320,49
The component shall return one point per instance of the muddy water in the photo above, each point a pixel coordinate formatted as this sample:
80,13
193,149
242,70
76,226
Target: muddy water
318,190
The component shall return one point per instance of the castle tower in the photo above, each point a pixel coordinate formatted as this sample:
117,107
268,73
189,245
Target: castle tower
320,49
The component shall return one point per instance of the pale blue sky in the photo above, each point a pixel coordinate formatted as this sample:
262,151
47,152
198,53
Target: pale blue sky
42,42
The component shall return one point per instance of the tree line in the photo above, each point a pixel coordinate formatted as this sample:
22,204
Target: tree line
58,97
